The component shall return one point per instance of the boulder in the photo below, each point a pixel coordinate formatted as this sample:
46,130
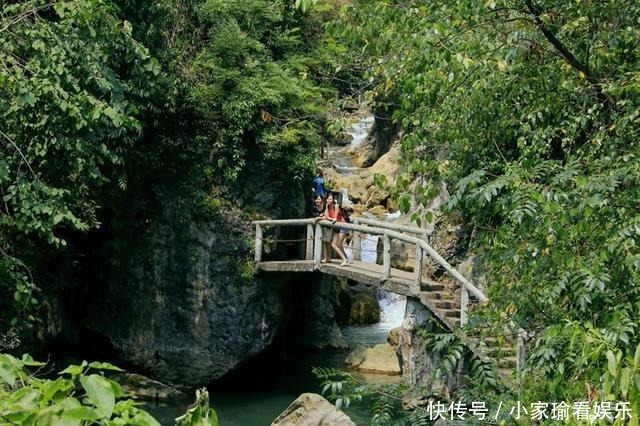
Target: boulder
377,197
394,336
342,139
379,212
311,409
313,303
380,359
355,357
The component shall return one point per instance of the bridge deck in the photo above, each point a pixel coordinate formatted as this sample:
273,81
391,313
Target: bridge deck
399,282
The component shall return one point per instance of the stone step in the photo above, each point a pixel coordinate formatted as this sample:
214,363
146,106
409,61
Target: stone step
500,351
493,342
447,304
507,362
506,374
441,295
432,286
451,313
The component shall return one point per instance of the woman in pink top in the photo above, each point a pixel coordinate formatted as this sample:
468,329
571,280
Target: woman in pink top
334,214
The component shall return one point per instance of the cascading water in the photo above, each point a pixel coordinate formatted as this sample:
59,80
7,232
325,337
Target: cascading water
339,156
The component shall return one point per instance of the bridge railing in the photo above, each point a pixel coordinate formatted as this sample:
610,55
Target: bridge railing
313,251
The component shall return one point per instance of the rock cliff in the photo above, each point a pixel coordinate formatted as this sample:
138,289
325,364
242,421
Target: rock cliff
184,305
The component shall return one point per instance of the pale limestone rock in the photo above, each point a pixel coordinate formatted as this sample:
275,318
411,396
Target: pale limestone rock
311,409
355,357
380,359
394,337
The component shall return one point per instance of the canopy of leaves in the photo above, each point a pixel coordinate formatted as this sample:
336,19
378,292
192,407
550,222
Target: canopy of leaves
74,86
529,111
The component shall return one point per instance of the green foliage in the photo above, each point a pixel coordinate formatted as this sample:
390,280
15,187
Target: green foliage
529,111
251,88
199,413
77,397
73,87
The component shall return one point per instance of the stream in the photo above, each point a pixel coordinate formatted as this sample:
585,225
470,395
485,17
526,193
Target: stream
264,390
258,400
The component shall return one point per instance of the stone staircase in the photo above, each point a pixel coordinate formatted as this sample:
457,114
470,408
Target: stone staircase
498,348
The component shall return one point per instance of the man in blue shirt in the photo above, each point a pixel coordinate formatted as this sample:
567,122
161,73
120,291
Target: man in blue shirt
318,185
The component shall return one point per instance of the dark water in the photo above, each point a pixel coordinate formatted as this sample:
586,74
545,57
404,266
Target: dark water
259,395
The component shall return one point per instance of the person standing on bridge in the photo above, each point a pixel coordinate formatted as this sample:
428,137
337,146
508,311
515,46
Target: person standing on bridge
334,214
318,185
318,211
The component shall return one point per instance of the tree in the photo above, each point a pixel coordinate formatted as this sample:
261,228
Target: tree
74,86
528,110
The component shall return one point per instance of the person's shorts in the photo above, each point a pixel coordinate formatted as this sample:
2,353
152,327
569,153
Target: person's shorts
344,231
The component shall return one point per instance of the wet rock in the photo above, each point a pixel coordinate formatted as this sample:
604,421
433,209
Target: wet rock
394,336
355,357
380,359
146,389
364,309
315,301
311,409
379,212
377,197
342,139
184,304
417,359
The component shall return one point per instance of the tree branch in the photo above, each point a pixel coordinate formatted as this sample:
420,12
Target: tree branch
567,54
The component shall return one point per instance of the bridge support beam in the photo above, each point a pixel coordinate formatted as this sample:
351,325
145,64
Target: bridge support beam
317,246
309,243
464,305
258,242
356,246
417,270
386,257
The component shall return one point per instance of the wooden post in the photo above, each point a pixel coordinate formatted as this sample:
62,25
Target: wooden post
309,243
356,246
464,305
356,243
521,354
258,247
417,271
317,246
386,257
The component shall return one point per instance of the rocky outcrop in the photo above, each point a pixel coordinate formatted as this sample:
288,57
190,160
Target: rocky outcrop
312,322
183,304
380,359
418,360
364,309
146,389
311,409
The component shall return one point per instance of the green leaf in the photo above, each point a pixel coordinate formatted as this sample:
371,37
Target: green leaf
81,413
7,376
611,363
101,394
74,370
104,366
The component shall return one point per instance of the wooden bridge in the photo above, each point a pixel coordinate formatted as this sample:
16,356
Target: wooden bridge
448,300
448,304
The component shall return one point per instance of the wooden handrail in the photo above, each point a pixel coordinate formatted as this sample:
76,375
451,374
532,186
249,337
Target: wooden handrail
391,226
374,230
388,231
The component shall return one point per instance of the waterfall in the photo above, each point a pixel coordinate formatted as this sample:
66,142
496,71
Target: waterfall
360,130
392,308
392,305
